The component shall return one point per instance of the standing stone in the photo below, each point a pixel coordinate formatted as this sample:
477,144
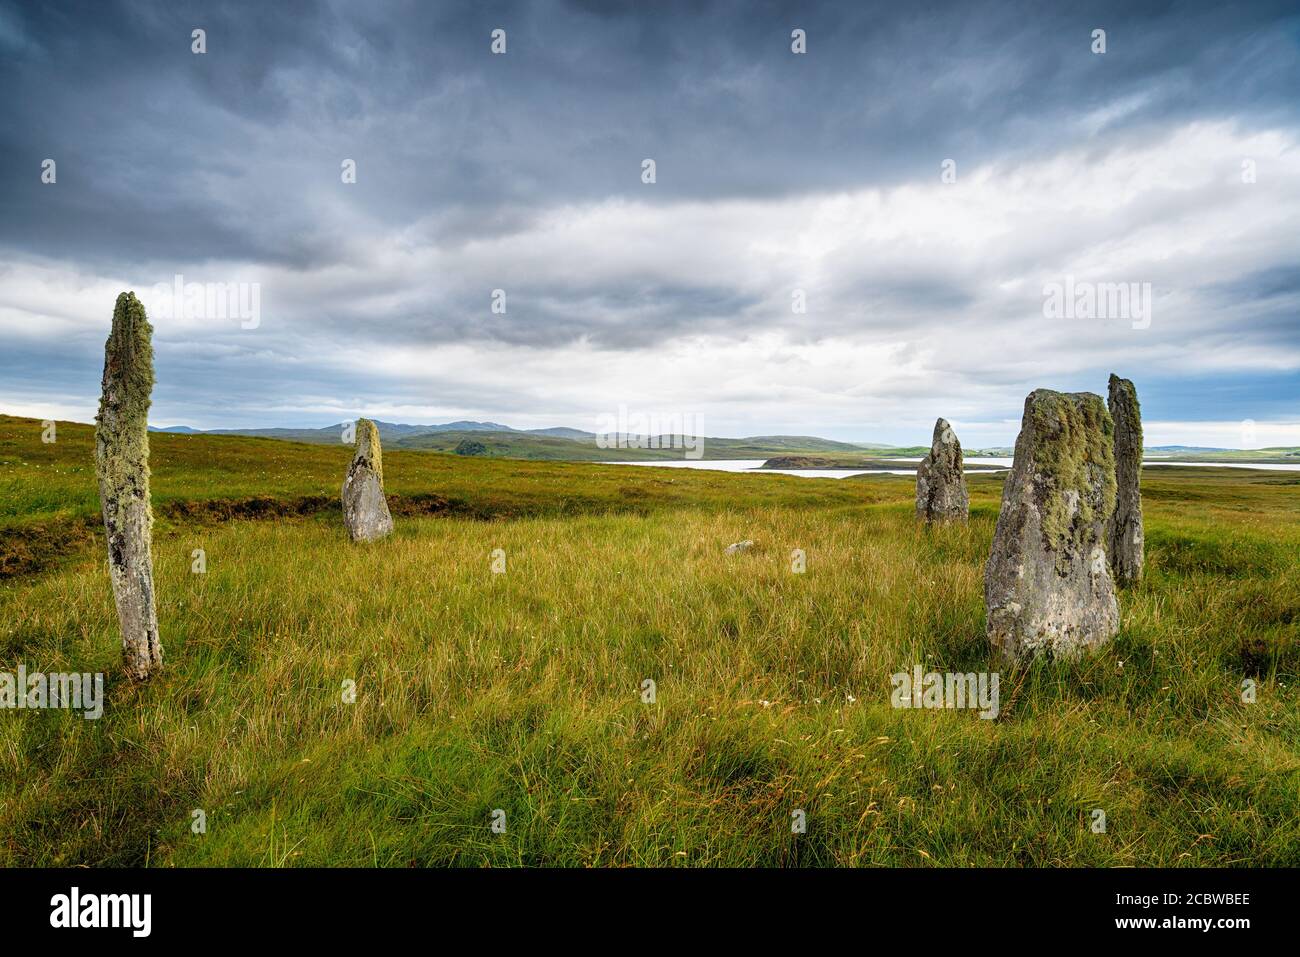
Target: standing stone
122,465
940,485
1124,542
365,510
1047,587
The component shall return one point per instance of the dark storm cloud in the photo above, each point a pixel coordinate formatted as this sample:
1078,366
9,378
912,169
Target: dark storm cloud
235,154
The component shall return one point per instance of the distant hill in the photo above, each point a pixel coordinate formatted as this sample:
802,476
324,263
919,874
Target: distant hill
574,445
461,426
797,442
330,434
562,433
558,443
515,445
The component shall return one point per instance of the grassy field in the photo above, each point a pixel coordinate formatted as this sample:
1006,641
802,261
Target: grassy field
520,691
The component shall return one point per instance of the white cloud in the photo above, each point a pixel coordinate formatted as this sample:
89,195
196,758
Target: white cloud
923,300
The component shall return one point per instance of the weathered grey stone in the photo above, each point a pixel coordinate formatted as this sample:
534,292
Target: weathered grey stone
365,509
1047,587
941,494
122,466
744,546
1124,539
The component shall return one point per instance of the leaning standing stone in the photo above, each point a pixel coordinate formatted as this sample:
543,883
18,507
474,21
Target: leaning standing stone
940,485
1047,587
122,464
365,510
1124,533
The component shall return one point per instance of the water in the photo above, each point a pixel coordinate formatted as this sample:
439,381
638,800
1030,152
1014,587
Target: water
748,465
753,465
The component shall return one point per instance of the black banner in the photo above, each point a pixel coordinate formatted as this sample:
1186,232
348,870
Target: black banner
346,906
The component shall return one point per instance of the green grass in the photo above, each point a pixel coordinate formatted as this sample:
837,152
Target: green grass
520,691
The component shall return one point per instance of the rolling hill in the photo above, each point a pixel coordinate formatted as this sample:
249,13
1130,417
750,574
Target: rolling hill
558,443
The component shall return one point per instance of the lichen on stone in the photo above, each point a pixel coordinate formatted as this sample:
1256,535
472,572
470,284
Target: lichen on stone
1129,391
369,452
1124,532
941,494
122,468
1074,450
365,507
1047,588
122,425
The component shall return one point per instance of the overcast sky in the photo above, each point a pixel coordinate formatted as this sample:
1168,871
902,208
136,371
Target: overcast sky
1170,159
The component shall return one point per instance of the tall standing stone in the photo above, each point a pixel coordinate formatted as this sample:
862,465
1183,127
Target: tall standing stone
365,509
1125,541
941,494
122,465
1047,587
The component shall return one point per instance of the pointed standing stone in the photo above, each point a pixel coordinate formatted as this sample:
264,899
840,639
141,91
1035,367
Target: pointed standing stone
122,465
940,485
365,510
1047,587
1125,541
